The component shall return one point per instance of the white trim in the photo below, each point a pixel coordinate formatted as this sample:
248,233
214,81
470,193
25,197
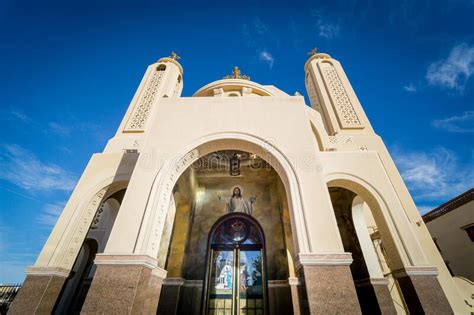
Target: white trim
293,281
47,271
127,260
174,281
159,272
415,271
315,259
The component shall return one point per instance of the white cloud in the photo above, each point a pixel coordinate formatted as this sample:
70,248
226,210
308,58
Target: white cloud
20,116
60,129
50,213
454,71
458,124
267,57
435,175
410,88
328,30
25,170
325,28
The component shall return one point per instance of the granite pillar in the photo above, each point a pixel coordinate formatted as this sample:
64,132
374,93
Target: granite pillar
421,290
328,284
374,296
40,291
124,284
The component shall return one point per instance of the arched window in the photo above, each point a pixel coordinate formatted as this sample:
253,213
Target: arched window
236,281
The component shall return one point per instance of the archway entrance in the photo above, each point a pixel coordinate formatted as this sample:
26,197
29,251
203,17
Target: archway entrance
194,247
236,275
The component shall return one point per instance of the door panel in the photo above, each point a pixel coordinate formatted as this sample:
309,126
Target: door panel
221,294
250,282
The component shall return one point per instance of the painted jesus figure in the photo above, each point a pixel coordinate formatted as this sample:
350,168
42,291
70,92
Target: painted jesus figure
237,203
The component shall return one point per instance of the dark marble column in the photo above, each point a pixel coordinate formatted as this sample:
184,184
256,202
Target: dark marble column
328,284
421,290
371,290
40,291
124,284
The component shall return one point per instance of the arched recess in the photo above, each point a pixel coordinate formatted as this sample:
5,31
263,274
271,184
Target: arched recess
161,193
365,224
389,233
97,220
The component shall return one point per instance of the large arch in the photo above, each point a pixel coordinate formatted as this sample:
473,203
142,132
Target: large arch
168,174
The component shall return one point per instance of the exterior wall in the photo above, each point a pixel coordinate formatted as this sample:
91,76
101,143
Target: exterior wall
94,185
455,245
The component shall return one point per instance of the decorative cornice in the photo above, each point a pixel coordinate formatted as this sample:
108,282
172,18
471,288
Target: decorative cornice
159,272
126,260
293,281
316,56
450,205
168,59
174,281
415,271
371,281
314,259
47,271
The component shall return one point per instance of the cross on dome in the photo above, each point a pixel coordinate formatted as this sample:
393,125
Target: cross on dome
236,75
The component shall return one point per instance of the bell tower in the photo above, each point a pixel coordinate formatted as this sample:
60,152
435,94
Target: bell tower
163,79
331,94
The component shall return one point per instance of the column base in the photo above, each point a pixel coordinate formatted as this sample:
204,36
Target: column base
371,290
295,299
421,290
40,291
328,284
124,284
170,296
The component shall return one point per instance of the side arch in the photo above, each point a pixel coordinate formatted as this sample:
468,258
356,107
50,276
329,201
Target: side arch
80,220
389,233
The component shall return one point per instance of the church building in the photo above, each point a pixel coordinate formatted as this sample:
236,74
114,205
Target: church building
241,199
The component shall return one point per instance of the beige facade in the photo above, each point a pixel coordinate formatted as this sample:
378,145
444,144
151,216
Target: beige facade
334,227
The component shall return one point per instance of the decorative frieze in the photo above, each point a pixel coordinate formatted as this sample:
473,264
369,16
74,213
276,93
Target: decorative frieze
137,120
342,104
83,224
81,230
340,139
313,98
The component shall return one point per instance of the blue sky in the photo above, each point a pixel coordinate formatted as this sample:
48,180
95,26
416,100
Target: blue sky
69,69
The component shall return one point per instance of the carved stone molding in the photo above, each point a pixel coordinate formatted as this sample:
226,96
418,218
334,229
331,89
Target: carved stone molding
47,271
415,271
127,260
341,139
293,281
83,224
174,281
314,259
141,111
340,99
